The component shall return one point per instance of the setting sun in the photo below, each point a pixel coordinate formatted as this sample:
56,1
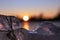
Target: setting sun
25,18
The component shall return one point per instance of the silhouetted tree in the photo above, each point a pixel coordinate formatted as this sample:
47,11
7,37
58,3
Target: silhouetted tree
41,16
58,16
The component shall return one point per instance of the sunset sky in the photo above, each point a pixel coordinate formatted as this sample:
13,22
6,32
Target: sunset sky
29,7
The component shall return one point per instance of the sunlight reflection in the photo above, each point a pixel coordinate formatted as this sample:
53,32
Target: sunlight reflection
26,25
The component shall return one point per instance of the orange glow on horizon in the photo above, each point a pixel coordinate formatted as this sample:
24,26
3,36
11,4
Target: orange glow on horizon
46,14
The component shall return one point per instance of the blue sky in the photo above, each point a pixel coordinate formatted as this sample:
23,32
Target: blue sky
28,6
6,4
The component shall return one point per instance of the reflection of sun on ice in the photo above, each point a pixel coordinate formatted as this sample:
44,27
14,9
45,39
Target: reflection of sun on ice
26,26
25,18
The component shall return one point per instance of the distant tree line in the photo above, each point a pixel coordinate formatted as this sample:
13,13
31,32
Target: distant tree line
57,18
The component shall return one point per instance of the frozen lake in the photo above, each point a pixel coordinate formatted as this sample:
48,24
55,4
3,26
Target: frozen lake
35,25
